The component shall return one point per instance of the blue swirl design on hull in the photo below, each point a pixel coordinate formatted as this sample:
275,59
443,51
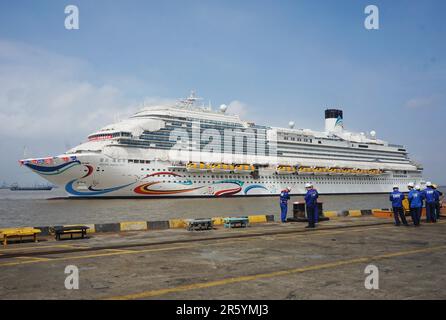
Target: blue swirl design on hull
93,192
254,186
237,182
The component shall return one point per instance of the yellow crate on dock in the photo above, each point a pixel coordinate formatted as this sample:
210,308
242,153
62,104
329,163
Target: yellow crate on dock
5,234
257,219
354,213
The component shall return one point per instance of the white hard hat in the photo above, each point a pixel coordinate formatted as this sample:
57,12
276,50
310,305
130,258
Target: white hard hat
417,187
308,185
395,186
428,184
411,184
288,188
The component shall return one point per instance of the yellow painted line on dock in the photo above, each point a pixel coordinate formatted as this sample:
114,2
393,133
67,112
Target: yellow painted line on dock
39,247
332,232
120,250
89,256
33,258
227,281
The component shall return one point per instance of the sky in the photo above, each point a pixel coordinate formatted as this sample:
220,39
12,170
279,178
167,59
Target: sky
271,61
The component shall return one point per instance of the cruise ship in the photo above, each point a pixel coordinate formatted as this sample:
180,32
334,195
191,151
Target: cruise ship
187,149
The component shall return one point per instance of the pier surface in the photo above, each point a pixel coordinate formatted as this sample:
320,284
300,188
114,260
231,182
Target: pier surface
264,261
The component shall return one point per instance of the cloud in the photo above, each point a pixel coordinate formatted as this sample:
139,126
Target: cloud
423,102
42,93
50,102
238,108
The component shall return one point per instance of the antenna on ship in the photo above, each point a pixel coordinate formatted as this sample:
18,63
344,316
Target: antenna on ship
190,101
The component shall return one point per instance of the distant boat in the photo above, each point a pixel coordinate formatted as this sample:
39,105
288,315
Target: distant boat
16,187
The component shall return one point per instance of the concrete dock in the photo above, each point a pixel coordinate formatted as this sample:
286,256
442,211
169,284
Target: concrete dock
263,261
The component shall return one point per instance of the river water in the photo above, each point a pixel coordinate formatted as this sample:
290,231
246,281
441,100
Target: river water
37,208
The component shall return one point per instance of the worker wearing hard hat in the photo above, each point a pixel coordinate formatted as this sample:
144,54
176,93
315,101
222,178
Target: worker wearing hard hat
284,197
430,196
438,196
311,204
397,197
415,203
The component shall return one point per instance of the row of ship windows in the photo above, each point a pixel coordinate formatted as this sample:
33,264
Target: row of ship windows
331,156
321,150
289,148
299,139
348,149
282,177
280,153
296,182
252,151
274,176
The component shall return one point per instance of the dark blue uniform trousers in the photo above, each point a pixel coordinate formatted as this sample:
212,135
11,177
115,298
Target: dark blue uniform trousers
416,215
311,215
430,212
437,210
398,211
283,211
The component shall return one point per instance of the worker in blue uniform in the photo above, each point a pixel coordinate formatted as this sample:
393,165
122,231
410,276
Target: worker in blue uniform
430,196
284,197
415,203
397,197
438,196
311,204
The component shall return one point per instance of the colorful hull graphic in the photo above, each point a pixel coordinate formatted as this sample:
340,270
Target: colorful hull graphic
53,170
145,189
92,192
254,186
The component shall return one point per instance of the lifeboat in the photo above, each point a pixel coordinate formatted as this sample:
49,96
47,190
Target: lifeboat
360,172
335,171
363,172
222,167
348,171
305,170
197,167
375,172
243,168
321,171
285,170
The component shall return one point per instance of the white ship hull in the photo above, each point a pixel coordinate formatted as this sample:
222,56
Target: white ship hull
97,176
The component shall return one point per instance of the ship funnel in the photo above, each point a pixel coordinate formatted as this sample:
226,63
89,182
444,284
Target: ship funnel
334,121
